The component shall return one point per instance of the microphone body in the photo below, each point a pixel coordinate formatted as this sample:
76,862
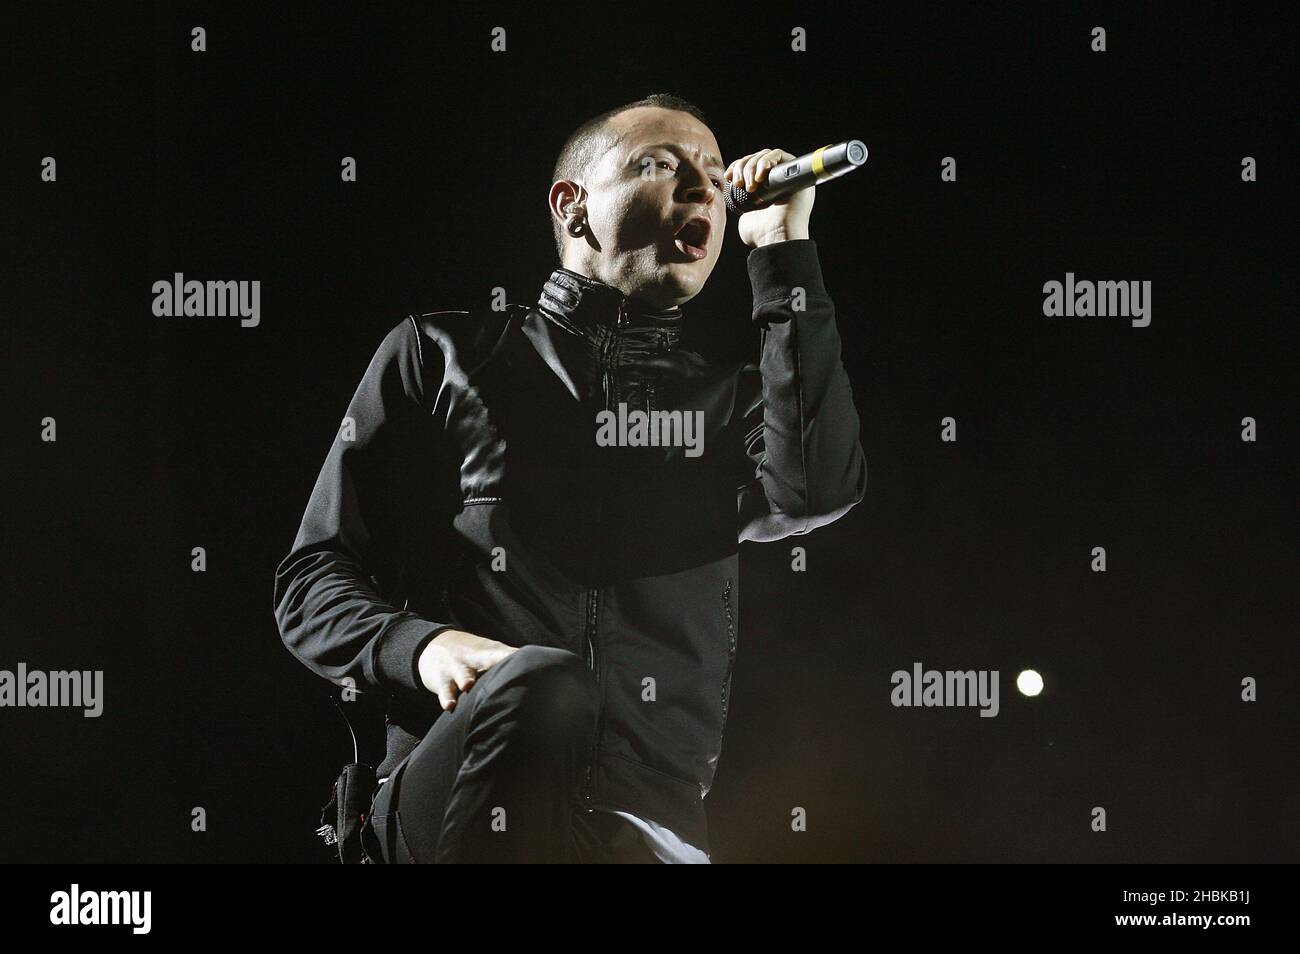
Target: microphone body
822,164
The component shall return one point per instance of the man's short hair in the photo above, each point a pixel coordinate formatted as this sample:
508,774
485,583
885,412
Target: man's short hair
590,140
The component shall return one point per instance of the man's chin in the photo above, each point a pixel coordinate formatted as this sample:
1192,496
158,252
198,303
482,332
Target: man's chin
684,278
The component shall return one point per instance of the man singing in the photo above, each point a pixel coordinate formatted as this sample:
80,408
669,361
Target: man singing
548,600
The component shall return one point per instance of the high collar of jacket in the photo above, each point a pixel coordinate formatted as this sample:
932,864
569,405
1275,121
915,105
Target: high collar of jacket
611,343
590,308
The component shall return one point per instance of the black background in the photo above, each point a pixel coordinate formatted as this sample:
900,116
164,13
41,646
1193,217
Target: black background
1073,433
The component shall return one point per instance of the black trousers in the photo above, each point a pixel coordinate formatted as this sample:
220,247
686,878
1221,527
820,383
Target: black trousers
498,779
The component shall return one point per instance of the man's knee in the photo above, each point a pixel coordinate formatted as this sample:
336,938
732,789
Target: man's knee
553,690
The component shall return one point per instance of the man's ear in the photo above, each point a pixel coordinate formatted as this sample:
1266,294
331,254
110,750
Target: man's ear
567,198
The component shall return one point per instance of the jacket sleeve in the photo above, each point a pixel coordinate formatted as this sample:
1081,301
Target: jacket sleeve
329,606
800,426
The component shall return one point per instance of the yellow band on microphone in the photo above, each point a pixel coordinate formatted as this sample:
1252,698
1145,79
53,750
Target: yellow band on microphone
819,170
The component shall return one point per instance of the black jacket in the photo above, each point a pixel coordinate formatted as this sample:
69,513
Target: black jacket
473,495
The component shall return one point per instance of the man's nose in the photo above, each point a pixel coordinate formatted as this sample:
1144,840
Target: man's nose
698,187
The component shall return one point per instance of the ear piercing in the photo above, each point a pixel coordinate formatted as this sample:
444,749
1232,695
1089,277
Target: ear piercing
575,225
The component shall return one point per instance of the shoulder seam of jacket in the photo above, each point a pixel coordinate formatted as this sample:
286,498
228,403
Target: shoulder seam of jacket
419,361
445,311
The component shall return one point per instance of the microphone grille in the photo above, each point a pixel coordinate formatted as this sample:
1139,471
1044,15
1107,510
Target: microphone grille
737,199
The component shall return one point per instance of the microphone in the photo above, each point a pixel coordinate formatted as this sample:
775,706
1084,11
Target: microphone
822,164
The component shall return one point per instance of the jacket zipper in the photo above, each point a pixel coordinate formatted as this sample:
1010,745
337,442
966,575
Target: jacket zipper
651,403
731,651
593,597
607,346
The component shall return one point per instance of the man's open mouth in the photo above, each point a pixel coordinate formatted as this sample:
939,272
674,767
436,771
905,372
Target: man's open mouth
693,237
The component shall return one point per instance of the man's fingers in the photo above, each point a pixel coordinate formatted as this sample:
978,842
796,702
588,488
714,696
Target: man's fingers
753,169
767,161
739,172
747,170
464,677
447,693
452,668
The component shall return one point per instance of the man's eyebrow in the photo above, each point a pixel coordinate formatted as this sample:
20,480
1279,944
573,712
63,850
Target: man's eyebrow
709,158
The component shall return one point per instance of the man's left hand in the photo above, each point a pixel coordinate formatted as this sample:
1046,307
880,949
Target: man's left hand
781,219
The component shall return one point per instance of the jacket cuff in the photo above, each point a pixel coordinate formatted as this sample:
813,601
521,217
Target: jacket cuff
398,657
776,269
